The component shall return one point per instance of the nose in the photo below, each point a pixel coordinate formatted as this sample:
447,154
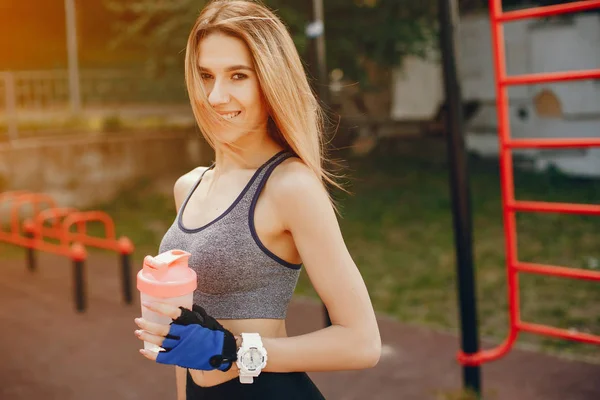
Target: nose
218,95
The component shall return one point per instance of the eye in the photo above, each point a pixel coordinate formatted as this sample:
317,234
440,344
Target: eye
239,76
205,76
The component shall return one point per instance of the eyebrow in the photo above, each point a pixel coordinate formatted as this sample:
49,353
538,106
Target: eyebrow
229,69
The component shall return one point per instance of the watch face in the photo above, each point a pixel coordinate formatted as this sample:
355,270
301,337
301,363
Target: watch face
252,359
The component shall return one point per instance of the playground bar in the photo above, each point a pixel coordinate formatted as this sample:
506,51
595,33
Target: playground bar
563,272
546,11
551,143
507,193
61,219
547,77
126,249
558,333
78,255
538,206
30,254
509,205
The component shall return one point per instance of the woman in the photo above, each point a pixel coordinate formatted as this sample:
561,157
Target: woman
252,219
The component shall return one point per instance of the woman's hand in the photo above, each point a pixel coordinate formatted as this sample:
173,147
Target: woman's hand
193,340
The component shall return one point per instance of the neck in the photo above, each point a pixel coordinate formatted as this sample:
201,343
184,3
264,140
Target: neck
249,155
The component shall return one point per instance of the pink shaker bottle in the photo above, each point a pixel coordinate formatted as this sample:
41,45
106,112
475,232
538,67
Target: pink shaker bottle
167,280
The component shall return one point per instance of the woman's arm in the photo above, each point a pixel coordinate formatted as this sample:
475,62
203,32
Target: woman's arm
180,190
180,381
353,340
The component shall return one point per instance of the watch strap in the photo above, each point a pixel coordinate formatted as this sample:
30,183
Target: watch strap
251,340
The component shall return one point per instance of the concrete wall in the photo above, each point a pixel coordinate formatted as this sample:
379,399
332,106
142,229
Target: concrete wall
82,171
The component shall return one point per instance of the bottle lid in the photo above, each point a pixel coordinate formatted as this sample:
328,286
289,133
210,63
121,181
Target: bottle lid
168,275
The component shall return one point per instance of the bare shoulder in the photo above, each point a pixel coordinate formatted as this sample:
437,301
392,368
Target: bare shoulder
297,194
184,184
292,178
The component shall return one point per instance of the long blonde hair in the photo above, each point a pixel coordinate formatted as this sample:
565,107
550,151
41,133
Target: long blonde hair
296,120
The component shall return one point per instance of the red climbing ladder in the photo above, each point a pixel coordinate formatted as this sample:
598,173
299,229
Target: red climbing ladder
510,206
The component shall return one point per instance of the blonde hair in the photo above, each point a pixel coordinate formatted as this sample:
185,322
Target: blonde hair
296,120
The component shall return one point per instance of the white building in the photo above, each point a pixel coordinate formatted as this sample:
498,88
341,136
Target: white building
552,110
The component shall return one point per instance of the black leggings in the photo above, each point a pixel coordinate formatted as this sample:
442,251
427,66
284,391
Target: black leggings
267,386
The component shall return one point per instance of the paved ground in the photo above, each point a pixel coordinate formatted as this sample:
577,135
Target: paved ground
48,351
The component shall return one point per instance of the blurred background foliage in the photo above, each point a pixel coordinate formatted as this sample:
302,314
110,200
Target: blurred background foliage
400,201
378,31
151,34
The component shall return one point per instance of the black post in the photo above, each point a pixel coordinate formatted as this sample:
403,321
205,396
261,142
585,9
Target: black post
79,285
31,264
461,205
126,277
323,80
317,33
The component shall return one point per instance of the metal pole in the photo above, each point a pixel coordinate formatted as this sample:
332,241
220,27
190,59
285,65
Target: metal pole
10,101
323,83
74,90
126,277
461,204
316,31
79,285
30,250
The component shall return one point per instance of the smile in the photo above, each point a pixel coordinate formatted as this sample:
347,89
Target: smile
231,115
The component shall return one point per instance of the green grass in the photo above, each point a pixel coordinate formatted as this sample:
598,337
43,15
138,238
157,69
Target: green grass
398,226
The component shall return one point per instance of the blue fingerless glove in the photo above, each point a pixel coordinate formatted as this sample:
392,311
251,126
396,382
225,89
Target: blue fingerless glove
196,340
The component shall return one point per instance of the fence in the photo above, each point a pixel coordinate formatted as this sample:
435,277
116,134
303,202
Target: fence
25,92
39,90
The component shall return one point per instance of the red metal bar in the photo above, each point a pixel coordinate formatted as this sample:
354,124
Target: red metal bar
546,77
559,333
35,199
563,272
545,11
108,242
509,205
9,237
567,208
507,193
62,231
12,194
53,213
552,143
489,354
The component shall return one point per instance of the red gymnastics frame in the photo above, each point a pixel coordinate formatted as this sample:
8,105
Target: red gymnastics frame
510,206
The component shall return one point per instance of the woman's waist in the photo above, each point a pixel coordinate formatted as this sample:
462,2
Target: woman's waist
264,327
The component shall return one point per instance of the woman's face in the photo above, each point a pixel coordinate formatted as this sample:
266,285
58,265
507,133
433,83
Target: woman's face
232,86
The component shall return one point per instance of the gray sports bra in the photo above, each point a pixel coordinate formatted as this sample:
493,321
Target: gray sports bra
238,277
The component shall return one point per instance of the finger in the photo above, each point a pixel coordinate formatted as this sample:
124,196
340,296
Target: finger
152,327
150,355
163,308
149,337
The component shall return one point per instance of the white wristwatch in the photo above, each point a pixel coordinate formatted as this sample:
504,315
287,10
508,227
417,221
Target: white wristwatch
251,357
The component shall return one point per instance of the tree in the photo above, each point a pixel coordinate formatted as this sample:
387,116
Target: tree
382,32
161,27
